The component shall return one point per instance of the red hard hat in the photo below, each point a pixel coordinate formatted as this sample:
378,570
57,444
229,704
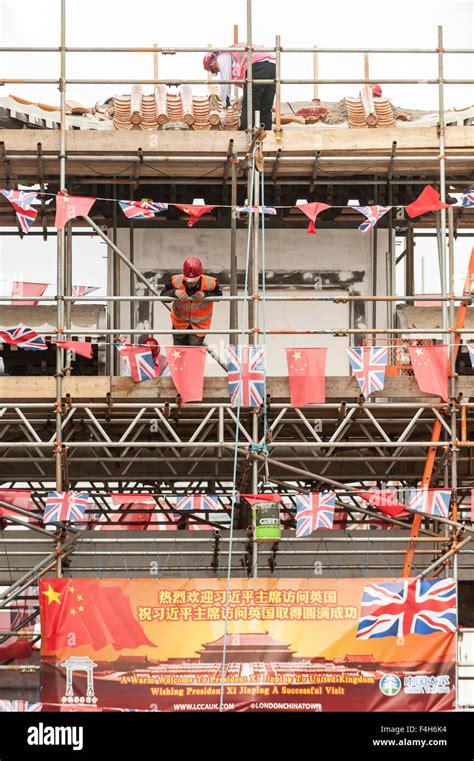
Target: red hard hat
192,267
208,59
154,346
376,90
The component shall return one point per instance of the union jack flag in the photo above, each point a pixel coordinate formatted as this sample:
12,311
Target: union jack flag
430,501
139,362
62,506
145,209
412,606
22,201
314,510
19,705
368,364
468,199
199,504
246,373
373,214
83,290
270,210
23,337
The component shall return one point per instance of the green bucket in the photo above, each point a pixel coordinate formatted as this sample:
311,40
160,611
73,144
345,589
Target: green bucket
266,521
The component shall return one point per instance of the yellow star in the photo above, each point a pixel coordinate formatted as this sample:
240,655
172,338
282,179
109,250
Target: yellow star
79,597
52,595
72,612
296,355
176,354
72,589
81,608
418,352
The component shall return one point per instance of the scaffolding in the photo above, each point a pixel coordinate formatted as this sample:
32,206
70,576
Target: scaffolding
94,432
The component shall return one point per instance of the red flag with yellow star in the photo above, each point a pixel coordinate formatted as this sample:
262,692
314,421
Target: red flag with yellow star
306,376
78,612
430,366
186,364
195,211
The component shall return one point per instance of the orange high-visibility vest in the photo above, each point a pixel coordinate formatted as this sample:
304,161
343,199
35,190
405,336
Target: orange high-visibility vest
198,314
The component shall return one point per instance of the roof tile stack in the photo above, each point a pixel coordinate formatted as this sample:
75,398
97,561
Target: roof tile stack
367,111
151,111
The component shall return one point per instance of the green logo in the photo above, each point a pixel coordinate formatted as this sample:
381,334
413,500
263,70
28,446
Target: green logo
390,685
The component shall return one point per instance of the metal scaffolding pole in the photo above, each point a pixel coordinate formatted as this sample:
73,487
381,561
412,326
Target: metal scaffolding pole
68,291
249,76
442,179
233,310
60,277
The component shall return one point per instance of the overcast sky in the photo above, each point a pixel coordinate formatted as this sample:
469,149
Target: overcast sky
405,23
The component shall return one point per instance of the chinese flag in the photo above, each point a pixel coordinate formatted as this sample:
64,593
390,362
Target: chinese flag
253,498
385,500
27,289
84,348
430,365
186,364
306,376
68,207
312,210
194,212
77,612
428,200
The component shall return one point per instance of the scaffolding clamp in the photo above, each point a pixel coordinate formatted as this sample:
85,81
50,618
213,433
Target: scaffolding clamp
340,334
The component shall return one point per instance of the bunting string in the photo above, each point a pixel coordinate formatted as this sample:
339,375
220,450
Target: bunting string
69,207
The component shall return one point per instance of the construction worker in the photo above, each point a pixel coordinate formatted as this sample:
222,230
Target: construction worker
161,363
234,66
191,310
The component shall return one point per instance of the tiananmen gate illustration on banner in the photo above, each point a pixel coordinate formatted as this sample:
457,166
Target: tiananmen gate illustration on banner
292,644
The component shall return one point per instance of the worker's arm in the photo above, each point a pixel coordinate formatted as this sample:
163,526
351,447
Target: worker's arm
170,290
224,61
217,291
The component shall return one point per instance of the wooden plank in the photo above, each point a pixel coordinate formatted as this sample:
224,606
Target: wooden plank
338,388
189,142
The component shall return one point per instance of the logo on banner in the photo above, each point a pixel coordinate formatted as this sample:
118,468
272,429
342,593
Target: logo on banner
390,685
82,664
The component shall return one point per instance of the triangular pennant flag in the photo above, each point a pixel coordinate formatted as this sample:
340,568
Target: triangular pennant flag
84,348
430,366
68,207
186,364
368,364
253,498
384,499
373,214
23,337
194,211
144,209
83,290
468,199
471,353
314,510
433,502
27,289
312,210
306,376
246,375
270,210
22,201
428,200
139,363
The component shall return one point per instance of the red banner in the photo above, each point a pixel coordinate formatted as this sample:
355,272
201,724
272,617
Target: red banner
291,644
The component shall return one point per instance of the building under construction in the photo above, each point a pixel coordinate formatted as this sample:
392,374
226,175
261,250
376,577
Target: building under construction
70,424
